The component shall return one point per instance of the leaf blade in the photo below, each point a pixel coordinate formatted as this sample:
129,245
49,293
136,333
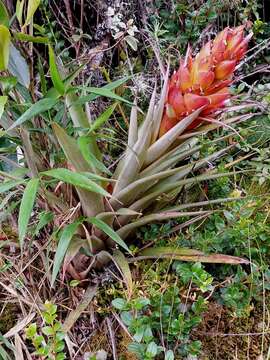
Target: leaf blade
56,78
76,179
26,208
36,109
62,247
109,231
4,47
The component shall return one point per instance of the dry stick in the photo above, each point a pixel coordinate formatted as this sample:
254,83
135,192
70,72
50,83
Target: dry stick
69,14
112,338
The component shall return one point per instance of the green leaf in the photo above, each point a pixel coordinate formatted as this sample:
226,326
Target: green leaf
31,331
152,349
119,303
92,203
109,231
29,38
3,100
7,185
4,47
103,118
4,17
18,67
169,355
76,179
56,78
19,10
122,263
74,283
36,109
132,42
26,207
100,92
47,330
31,9
62,247
83,143
44,219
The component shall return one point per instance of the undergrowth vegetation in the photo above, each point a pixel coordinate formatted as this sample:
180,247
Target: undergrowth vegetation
134,167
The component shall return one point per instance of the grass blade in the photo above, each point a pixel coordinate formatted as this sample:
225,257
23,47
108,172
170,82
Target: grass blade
83,144
125,269
109,231
186,254
4,47
3,100
31,9
76,179
62,247
75,314
100,92
103,118
56,79
26,207
36,109
4,17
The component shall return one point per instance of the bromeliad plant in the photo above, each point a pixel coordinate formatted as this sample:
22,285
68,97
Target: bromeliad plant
99,211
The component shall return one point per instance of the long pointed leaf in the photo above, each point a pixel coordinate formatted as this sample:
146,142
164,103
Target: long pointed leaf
56,79
36,109
125,269
62,247
76,179
162,144
109,231
102,118
26,208
92,204
4,47
185,254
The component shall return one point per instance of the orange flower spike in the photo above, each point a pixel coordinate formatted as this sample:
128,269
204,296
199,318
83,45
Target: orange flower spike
225,69
167,123
219,97
219,45
194,102
202,74
217,85
240,51
185,83
176,100
234,38
204,81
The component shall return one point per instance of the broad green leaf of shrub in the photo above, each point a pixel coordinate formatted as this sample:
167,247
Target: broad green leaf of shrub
26,207
4,47
62,247
31,9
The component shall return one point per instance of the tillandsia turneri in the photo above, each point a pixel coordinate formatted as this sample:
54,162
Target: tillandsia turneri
157,165
204,80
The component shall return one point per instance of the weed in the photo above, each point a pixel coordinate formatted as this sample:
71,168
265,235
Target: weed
50,344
